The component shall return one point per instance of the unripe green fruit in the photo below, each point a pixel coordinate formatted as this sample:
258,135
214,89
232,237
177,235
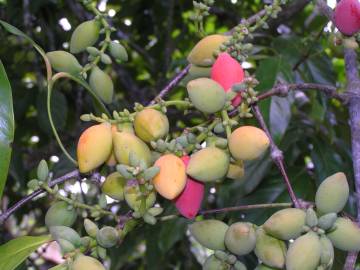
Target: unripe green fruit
101,84
285,224
270,250
42,171
213,263
85,35
207,95
114,186
240,238
327,253
118,51
65,246
60,215
107,237
210,233
239,266
332,194
304,253
86,263
311,219
90,227
208,164
63,61
151,125
133,197
346,236
327,221
196,72
66,233
125,143
264,267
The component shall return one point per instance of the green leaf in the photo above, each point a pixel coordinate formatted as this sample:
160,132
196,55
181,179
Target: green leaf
14,252
6,126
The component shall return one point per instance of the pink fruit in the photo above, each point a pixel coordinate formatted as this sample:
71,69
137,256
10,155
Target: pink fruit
227,72
189,201
347,16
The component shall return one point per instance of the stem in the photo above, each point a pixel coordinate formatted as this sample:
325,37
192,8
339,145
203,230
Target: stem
226,119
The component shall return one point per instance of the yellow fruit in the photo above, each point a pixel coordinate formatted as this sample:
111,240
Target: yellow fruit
304,253
101,84
134,197
111,160
114,186
236,171
203,52
151,125
332,194
171,179
208,164
206,95
248,143
240,238
94,147
285,224
85,262
63,61
84,35
125,143
126,127
346,236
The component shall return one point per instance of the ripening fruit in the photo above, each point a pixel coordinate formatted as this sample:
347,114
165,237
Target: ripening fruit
210,233
240,238
101,84
285,224
133,196
189,201
332,194
111,161
327,252
114,186
59,214
227,72
151,125
86,262
94,147
213,263
236,170
346,236
248,143
196,72
203,52
208,165
85,35
270,250
63,61
206,95
304,253
171,179
347,16
126,143
118,51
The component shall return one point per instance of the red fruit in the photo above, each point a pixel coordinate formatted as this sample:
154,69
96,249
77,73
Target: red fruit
347,16
189,201
227,72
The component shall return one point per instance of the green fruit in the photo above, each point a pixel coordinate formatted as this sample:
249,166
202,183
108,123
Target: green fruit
134,197
59,214
311,219
332,194
240,238
118,51
210,233
126,143
107,237
304,253
285,224
206,95
151,125
264,267
66,233
208,164
270,250
90,227
196,72
101,84
65,246
114,186
346,236
327,252
327,221
42,171
212,263
85,35
239,266
63,61
86,263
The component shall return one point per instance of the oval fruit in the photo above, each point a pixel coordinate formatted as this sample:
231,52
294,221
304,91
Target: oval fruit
210,233
114,186
118,51
85,35
208,164
196,72
203,52
107,237
86,262
133,196
151,125
327,252
265,267
63,61
347,16
94,147
171,179
346,236
101,84
213,263
285,224
206,95
236,171
332,194
240,238
248,143
59,214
